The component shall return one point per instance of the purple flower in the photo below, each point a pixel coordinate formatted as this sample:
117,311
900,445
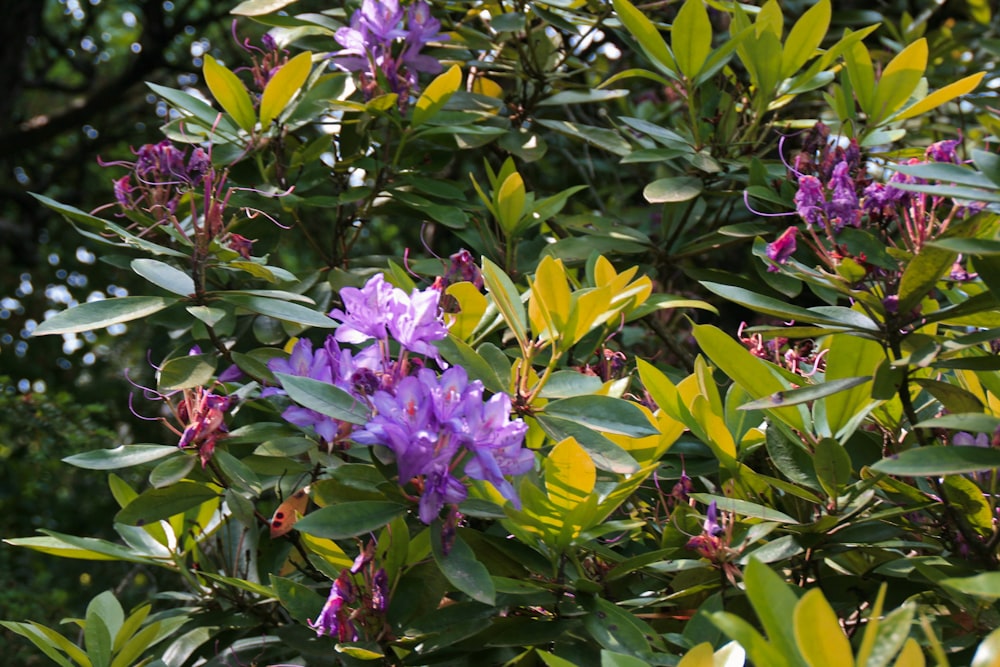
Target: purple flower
943,151
810,201
843,207
712,526
431,424
378,309
966,439
782,248
334,620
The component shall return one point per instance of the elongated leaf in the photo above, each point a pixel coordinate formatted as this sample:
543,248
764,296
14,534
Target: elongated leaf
899,80
974,422
603,413
773,601
191,370
672,190
743,508
849,357
939,460
123,456
942,95
99,314
229,92
350,519
259,7
163,275
691,38
283,86
49,642
507,300
156,504
600,137
462,570
606,454
805,37
582,97
437,94
649,38
81,548
281,310
805,394
985,585
196,109
818,633
833,466
324,398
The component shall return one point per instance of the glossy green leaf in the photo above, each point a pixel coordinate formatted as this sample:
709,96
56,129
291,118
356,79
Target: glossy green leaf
230,93
743,508
191,370
155,504
302,603
510,202
773,602
99,314
849,357
462,570
196,109
259,7
350,519
582,97
806,394
122,456
975,422
966,496
833,466
164,275
324,398
921,274
82,548
818,633
606,454
97,636
507,300
986,585
647,35
758,650
614,628
936,460
600,137
281,310
862,75
691,37
672,190
603,413
283,86
941,96
141,641
49,642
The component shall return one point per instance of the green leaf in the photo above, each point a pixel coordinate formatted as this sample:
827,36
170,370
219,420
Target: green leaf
324,398
606,454
123,456
507,300
849,357
936,460
942,95
673,190
974,422
818,633
191,370
582,97
691,38
805,394
599,137
98,314
833,466
283,86
759,650
510,202
302,603
259,7
193,108
985,585
462,570
773,601
786,311
646,34
350,519
862,74
97,636
230,93
436,95
82,548
603,413
49,642
743,508
163,275
281,310
614,628
155,504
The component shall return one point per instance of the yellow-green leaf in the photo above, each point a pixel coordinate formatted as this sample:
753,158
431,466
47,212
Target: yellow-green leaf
437,94
899,80
570,474
700,656
230,93
507,300
548,308
471,307
646,34
862,74
691,37
510,202
818,634
588,311
912,656
805,37
942,95
282,87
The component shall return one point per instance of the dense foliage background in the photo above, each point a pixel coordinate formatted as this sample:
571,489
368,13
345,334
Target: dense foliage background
562,144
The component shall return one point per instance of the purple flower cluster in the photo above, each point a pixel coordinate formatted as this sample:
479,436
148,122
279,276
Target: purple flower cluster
837,209
335,618
433,425
383,52
162,173
439,429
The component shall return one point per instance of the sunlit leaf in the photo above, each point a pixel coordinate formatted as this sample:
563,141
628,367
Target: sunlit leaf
283,86
230,93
